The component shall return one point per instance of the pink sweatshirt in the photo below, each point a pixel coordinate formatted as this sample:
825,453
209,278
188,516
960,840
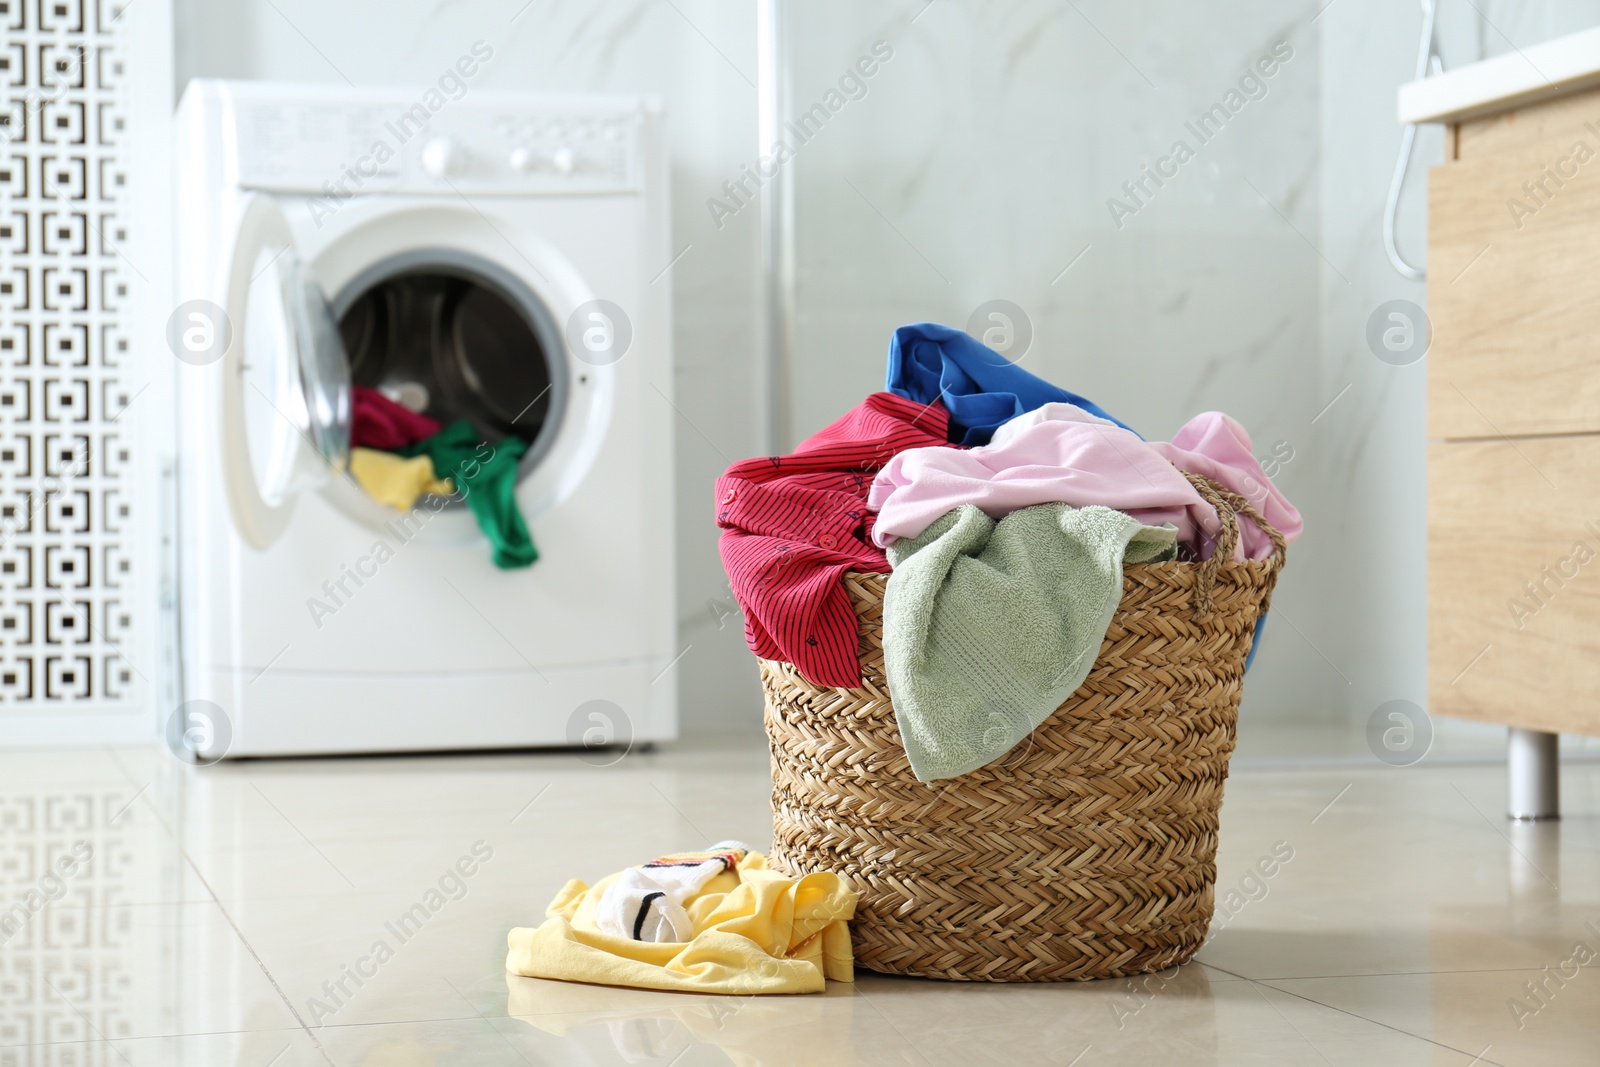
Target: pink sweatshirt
1059,452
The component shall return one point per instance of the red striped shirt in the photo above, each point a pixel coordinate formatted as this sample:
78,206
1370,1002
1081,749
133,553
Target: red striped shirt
793,525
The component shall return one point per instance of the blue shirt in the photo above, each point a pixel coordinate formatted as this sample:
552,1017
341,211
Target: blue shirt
980,388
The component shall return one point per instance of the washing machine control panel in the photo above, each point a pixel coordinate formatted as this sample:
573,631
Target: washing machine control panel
459,148
578,145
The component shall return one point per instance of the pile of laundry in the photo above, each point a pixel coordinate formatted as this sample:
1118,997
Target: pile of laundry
1003,508
715,921
399,456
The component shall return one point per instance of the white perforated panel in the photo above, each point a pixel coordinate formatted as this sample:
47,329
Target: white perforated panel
68,502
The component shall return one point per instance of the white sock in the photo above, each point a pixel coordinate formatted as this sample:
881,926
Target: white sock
646,903
637,907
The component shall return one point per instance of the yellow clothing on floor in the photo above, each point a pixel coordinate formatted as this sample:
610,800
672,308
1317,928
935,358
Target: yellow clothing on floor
395,480
755,931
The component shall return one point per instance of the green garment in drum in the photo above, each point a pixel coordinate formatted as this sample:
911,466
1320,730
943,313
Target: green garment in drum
486,474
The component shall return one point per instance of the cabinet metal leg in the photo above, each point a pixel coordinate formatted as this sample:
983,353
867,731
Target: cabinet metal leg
1534,766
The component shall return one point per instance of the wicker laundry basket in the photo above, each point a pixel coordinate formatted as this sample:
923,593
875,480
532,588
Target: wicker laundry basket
1089,850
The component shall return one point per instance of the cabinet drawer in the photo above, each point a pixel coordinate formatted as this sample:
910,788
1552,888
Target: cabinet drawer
1512,289
1514,582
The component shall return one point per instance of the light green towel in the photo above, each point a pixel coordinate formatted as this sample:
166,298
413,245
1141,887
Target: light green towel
988,626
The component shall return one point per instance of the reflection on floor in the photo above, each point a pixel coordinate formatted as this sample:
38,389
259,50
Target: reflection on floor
153,914
1281,742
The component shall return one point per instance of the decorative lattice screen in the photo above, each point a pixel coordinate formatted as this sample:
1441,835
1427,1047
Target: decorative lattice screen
66,494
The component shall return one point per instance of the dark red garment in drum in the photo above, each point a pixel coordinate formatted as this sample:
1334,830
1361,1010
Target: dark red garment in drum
378,422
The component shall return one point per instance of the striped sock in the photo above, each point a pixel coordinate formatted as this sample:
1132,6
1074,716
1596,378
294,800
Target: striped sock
647,903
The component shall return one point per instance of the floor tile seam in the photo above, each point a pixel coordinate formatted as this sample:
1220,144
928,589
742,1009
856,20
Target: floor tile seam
1476,1057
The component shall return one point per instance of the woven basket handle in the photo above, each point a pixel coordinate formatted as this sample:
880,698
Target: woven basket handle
1229,505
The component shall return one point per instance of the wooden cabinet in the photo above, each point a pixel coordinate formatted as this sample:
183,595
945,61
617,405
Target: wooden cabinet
1514,418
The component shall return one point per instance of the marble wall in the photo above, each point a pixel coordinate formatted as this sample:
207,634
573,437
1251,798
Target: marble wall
979,162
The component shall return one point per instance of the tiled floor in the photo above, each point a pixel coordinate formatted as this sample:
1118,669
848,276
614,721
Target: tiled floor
219,901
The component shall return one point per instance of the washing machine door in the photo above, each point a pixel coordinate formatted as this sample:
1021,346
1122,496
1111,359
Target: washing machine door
285,382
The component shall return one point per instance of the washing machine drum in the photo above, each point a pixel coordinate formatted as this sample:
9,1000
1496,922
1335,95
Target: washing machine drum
452,342
439,331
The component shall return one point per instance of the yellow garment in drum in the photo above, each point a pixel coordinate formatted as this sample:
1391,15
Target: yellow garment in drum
755,931
395,480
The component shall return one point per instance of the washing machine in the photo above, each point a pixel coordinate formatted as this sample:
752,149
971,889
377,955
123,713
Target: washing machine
495,257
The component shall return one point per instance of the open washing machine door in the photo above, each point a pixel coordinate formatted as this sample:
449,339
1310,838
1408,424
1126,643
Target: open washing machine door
285,381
